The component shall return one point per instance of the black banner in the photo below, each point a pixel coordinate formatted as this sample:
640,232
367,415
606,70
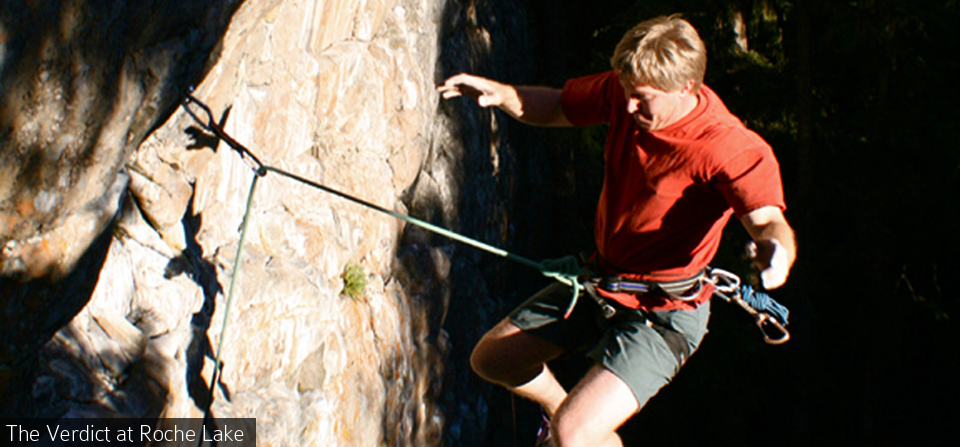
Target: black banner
128,432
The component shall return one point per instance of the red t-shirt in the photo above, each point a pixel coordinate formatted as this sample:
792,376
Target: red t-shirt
667,194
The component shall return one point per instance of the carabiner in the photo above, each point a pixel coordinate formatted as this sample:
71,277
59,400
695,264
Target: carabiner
217,129
764,321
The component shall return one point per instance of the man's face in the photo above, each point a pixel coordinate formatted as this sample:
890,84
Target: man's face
655,109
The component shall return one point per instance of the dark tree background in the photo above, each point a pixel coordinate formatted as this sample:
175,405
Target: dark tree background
856,98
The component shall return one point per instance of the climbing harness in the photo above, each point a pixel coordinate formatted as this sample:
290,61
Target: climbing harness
771,316
565,270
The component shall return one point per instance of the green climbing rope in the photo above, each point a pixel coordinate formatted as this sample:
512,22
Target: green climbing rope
233,282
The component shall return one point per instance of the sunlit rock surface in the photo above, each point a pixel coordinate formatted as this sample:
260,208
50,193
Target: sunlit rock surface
339,92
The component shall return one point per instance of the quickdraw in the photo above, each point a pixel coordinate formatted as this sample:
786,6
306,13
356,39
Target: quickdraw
771,316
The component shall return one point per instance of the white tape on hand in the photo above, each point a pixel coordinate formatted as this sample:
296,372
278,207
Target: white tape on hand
775,274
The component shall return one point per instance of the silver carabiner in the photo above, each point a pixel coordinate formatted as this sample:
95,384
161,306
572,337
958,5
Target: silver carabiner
765,320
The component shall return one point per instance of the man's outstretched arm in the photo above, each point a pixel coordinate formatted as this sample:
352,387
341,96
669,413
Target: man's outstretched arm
537,106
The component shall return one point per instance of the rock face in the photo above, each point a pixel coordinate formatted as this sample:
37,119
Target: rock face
105,177
82,85
337,92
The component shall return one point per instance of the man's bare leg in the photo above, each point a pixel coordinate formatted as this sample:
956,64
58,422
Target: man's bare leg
510,357
589,416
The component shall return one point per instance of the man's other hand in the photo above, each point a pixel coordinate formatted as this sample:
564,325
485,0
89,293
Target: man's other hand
771,259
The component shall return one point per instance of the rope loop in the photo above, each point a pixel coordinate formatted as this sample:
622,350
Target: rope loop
764,303
562,269
565,270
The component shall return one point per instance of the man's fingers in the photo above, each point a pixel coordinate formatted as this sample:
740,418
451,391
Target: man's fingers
454,82
457,86
448,93
447,86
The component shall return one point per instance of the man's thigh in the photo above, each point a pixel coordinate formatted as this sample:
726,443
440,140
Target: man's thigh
639,351
544,315
508,344
533,334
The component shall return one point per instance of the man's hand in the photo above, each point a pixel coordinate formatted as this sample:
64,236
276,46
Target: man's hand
771,259
485,91
537,106
774,248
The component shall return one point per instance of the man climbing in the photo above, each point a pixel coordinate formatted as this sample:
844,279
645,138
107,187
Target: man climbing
678,165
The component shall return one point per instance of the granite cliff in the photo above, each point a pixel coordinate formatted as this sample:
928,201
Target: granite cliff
120,214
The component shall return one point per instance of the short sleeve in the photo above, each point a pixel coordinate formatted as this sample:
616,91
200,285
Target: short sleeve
590,99
750,178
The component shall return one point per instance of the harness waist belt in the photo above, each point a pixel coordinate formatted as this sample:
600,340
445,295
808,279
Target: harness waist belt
680,289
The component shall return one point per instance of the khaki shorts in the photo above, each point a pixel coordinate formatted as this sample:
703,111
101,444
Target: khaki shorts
644,349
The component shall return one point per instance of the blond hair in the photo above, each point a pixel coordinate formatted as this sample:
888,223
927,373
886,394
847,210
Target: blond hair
664,52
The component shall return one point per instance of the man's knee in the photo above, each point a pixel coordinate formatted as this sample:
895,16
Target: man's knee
508,356
484,363
593,411
570,432
567,433
492,361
